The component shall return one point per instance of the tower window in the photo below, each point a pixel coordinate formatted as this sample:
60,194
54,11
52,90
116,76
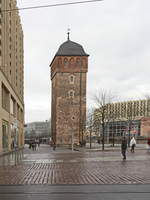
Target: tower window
78,62
71,94
65,62
71,79
72,62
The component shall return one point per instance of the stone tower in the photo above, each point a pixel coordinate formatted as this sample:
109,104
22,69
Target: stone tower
68,74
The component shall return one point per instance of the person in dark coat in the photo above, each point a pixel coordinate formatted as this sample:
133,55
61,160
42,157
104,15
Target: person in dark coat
148,144
124,147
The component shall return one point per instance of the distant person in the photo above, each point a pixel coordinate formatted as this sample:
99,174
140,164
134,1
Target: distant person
124,147
12,144
148,144
39,143
54,146
30,144
132,144
98,141
33,145
15,145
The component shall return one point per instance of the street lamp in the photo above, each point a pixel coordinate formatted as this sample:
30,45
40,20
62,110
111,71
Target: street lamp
72,135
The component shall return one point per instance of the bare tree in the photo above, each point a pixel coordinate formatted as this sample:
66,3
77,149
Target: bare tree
102,99
90,123
113,116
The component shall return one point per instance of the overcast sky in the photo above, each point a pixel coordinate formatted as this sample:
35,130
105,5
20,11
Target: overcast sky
116,34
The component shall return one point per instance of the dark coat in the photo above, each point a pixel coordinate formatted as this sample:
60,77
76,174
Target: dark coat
124,144
148,141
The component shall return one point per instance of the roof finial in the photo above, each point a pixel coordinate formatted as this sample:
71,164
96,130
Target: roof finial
68,33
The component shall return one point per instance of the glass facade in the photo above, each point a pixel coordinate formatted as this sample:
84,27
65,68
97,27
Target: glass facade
122,128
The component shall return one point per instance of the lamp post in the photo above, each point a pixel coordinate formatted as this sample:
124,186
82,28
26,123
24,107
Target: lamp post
72,134
72,141
129,133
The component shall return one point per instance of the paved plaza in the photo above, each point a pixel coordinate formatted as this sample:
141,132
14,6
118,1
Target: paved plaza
59,174
46,166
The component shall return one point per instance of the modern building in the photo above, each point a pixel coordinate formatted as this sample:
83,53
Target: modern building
123,118
36,130
68,75
11,77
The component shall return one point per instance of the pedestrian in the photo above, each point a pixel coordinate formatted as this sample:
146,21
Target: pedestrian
38,143
132,144
30,144
54,146
148,145
98,141
124,147
12,144
35,145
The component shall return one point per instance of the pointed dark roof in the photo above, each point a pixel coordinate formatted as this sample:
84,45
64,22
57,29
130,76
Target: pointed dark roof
70,48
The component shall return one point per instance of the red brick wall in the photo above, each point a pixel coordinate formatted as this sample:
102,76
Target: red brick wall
68,114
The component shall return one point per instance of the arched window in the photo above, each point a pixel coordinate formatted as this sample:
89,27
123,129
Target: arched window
71,61
78,62
65,62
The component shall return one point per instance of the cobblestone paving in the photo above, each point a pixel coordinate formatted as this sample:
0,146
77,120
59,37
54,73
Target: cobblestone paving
77,173
78,168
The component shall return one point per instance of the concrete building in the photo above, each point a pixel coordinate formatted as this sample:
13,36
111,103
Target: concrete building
68,74
38,130
124,117
11,77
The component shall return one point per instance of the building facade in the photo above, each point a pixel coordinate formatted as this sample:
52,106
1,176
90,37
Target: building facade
11,77
36,130
123,118
68,75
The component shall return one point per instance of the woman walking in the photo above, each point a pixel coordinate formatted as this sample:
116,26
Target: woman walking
132,144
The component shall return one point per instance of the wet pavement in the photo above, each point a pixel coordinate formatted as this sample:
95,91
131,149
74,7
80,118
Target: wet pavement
63,175
62,166
12,159
75,192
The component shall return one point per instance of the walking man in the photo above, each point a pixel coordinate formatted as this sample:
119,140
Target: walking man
124,147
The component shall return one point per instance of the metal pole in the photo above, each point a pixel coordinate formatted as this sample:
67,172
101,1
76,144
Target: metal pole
113,132
80,107
90,138
129,134
72,145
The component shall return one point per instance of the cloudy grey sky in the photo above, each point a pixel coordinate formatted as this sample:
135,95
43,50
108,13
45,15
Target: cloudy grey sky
116,34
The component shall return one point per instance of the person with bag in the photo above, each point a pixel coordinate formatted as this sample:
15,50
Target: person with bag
132,144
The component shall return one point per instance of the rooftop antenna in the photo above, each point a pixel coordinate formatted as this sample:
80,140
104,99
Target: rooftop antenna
68,33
